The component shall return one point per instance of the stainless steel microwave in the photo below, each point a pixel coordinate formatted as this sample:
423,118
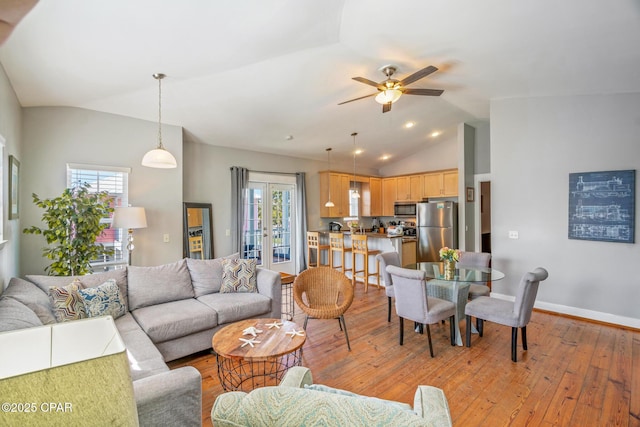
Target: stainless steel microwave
406,209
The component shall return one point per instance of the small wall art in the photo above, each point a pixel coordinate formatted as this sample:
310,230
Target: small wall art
602,206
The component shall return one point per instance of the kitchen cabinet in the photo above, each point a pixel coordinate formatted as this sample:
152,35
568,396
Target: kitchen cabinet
389,195
194,217
409,250
440,184
409,188
339,185
372,197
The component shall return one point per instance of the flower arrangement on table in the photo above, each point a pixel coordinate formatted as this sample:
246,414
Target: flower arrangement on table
450,257
447,254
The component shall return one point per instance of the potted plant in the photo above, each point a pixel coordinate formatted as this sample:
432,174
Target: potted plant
73,224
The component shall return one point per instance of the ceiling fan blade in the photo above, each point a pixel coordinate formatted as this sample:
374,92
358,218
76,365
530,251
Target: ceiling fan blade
429,92
386,107
418,75
367,82
355,99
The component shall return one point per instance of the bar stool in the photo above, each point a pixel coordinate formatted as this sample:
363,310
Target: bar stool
359,246
336,243
313,242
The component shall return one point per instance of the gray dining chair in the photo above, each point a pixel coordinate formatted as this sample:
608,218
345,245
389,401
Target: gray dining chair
412,302
385,259
515,314
476,259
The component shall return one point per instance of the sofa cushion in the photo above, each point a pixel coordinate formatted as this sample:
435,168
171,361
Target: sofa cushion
206,274
88,281
33,297
267,406
15,315
163,322
144,358
103,300
237,306
239,275
327,389
156,285
66,302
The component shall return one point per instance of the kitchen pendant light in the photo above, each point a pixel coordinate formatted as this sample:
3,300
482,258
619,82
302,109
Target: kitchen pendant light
329,203
355,193
159,157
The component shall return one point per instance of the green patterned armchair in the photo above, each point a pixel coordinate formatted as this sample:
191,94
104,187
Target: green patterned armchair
299,402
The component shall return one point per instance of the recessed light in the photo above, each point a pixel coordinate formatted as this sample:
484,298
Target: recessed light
359,151
386,157
435,134
288,137
409,125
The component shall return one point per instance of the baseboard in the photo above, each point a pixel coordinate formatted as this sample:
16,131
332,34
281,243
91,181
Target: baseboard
580,312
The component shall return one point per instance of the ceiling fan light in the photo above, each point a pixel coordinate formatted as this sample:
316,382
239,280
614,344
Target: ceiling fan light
159,158
387,96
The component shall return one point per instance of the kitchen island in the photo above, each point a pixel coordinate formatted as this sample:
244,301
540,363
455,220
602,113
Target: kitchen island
376,241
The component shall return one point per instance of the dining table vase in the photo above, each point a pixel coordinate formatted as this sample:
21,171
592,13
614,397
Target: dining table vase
449,269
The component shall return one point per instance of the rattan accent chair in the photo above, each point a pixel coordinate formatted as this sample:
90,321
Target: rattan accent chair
324,293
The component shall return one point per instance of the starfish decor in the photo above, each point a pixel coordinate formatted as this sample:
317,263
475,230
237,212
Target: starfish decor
295,333
274,324
250,341
252,330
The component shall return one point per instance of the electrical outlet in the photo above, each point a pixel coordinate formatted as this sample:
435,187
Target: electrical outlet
165,238
513,234
227,232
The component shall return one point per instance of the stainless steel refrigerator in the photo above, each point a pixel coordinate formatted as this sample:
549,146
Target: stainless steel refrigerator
436,227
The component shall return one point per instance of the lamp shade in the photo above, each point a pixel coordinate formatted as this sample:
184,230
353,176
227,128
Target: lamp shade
70,373
387,96
129,217
159,158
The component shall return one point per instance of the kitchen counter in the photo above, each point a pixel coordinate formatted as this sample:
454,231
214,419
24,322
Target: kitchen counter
378,241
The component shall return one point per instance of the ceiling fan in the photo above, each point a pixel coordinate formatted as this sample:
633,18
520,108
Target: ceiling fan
390,90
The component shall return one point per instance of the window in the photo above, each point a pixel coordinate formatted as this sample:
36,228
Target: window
115,181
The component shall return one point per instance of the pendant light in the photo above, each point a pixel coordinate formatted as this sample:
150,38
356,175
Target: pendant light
329,203
355,193
159,157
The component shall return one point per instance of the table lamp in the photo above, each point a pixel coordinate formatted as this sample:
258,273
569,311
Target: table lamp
129,218
70,373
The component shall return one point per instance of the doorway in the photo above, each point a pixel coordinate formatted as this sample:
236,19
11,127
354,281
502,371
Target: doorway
485,216
268,226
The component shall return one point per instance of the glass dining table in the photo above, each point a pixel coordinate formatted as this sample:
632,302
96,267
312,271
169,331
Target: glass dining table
456,288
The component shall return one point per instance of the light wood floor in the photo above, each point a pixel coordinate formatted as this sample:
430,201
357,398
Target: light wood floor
575,373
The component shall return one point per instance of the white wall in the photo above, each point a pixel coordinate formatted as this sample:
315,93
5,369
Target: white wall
55,136
435,156
535,144
10,129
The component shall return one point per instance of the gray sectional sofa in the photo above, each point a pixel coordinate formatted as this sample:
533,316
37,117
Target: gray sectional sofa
173,310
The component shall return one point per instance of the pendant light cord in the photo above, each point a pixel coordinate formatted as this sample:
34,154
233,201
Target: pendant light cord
355,188
159,77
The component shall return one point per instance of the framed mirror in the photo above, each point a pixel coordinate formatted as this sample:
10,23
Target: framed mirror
198,230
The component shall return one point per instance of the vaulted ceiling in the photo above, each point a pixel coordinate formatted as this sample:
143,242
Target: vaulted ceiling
247,74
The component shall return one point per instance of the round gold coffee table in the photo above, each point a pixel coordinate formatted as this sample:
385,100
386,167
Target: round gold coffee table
246,362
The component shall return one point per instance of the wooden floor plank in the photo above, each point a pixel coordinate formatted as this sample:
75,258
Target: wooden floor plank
573,373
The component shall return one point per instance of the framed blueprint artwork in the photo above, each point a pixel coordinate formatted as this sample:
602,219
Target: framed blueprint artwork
602,206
